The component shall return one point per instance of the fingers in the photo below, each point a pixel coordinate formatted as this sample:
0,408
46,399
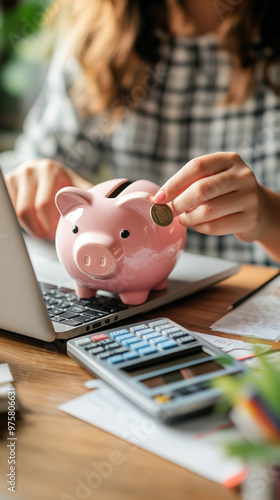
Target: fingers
196,169
204,190
211,210
231,224
22,186
32,187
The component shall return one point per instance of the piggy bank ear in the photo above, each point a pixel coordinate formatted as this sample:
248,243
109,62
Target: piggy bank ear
69,198
140,201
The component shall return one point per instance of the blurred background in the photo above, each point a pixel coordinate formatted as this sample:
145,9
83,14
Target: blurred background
24,50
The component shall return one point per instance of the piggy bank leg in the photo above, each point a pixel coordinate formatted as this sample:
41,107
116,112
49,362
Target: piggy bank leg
83,292
162,285
134,298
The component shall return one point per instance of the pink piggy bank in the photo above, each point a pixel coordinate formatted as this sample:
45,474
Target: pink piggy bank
107,240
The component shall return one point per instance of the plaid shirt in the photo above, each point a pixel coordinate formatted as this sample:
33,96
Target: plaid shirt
179,116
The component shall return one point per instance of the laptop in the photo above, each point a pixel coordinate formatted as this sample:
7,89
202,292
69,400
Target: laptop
37,297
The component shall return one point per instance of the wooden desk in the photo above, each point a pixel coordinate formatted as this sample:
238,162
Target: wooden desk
55,451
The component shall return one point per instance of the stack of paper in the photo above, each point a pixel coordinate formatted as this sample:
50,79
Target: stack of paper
6,386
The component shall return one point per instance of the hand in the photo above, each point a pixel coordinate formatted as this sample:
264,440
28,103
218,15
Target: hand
32,188
217,194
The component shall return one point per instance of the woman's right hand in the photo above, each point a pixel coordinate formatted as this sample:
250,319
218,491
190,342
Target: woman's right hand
32,188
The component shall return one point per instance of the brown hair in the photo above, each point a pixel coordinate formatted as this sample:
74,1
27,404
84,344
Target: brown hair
115,41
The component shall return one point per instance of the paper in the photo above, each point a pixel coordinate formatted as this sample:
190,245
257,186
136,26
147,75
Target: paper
196,444
257,317
5,386
238,349
5,374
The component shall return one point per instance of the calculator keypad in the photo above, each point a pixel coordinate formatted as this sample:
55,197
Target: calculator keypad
137,341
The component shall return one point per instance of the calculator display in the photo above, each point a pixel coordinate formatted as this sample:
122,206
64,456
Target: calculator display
182,374
159,364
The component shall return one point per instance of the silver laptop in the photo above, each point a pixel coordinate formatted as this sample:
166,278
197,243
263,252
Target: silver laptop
37,297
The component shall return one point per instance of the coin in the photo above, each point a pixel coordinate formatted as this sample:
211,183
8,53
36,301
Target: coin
161,214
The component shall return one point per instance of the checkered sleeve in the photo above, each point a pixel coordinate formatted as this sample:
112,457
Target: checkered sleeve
54,129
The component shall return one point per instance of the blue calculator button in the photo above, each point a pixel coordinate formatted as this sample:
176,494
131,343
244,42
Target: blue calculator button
114,334
131,341
120,338
115,359
167,345
147,350
158,340
130,355
140,345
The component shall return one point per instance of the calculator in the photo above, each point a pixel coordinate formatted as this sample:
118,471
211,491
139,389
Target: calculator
160,366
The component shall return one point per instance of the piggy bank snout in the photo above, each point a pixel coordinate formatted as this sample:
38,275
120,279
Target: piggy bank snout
95,256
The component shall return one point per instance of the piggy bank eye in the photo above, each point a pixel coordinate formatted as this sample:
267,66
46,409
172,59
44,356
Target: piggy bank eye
75,229
125,233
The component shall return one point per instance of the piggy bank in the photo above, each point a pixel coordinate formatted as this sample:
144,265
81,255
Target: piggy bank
107,240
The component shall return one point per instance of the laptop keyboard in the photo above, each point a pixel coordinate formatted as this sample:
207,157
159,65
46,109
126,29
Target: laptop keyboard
65,307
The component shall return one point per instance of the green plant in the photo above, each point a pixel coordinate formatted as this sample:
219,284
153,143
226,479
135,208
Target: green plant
254,402
20,23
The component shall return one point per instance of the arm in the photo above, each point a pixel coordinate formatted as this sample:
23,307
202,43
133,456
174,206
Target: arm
218,194
32,188
52,130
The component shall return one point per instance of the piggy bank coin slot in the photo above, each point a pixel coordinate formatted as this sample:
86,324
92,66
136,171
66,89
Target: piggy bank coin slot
119,189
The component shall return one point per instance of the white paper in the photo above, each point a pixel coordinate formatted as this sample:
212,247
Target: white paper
5,374
238,349
196,444
257,317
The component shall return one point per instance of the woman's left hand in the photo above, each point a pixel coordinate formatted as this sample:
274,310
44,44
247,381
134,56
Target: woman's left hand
217,194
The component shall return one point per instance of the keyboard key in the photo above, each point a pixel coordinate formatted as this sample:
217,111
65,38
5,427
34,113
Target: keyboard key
77,309
55,311
147,350
71,322
67,315
63,304
167,345
118,358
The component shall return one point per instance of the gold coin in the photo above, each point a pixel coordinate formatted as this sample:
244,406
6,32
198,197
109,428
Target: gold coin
161,214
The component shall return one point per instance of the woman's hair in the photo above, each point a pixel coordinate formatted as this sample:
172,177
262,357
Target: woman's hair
117,41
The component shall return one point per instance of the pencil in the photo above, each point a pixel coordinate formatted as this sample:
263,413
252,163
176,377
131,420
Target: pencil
250,294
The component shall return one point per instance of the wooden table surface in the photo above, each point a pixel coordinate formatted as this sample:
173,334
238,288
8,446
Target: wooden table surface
55,452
